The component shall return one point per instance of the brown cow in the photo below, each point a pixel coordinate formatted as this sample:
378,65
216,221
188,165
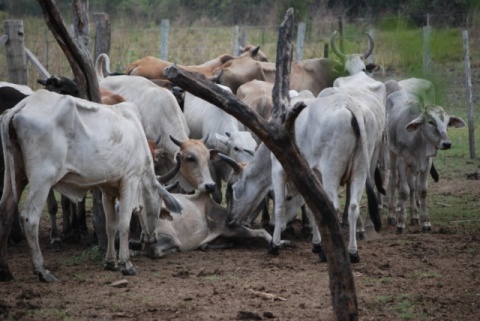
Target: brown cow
311,74
152,68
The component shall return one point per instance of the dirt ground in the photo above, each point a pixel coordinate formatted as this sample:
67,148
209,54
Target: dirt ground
413,276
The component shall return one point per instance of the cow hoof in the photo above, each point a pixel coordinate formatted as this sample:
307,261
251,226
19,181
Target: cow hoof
273,249
426,229
56,245
398,230
414,222
130,271
318,249
354,257
110,266
47,277
391,221
362,235
5,275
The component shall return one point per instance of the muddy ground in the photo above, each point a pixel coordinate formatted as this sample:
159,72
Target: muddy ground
414,276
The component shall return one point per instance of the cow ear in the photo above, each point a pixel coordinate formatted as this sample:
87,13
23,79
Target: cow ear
371,67
456,122
165,214
414,124
214,154
221,141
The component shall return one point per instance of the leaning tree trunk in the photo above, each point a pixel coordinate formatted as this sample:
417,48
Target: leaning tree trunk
78,56
279,136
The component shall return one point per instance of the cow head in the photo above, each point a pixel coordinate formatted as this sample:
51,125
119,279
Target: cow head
61,85
239,145
253,52
433,123
355,63
247,186
194,170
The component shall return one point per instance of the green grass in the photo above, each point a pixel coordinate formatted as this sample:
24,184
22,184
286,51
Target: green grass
405,306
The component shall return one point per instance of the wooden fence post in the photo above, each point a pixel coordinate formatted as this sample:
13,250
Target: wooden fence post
340,31
468,85
236,47
427,30
300,41
15,52
243,37
164,39
102,34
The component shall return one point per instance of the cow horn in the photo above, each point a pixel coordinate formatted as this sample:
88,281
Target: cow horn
168,176
205,138
176,141
230,161
334,47
371,44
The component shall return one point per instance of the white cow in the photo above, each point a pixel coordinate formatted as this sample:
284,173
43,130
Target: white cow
70,144
416,130
159,111
225,133
332,134
202,221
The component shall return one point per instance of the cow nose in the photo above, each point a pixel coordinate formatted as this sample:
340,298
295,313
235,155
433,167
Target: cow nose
209,188
446,145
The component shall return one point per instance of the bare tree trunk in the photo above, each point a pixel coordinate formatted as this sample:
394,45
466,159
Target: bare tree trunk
278,135
77,52
78,56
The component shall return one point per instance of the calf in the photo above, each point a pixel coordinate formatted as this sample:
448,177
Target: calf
73,145
416,131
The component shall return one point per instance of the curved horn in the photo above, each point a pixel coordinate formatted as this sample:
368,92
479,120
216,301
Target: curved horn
173,186
230,161
168,176
371,44
334,47
205,138
176,141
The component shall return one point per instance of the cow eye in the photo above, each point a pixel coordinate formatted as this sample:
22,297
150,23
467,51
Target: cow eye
431,123
236,149
190,158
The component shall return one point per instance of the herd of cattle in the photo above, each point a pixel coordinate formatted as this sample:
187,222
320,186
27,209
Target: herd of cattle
355,131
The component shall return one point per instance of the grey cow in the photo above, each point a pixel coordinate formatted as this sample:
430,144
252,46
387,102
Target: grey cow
416,130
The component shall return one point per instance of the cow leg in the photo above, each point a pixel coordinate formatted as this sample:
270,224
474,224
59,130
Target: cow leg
353,214
30,217
411,177
278,183
403,193
124,218
111,223
243,231
392,190
52,207
422,193
316,237
7,212
82,218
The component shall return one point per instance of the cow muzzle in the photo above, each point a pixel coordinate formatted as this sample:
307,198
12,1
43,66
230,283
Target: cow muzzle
445,145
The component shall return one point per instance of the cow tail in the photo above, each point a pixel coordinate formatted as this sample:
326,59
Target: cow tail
9,149
434,173
371,195
103,61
